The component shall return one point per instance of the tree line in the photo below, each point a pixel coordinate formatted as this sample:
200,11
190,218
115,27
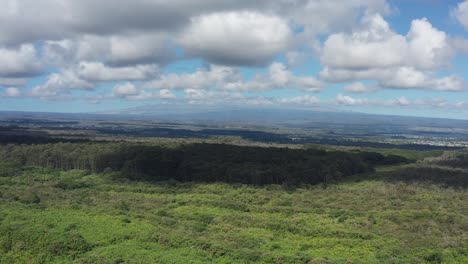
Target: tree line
199,162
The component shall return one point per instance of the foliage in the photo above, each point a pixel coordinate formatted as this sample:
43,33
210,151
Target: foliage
200,162
82,217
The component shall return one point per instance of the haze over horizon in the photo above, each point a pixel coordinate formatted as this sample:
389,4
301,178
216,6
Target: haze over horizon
390,57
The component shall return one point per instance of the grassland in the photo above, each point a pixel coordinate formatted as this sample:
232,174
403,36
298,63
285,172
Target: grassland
52,216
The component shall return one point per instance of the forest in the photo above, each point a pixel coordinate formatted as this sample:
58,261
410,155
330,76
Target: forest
200,162
414,214
71,196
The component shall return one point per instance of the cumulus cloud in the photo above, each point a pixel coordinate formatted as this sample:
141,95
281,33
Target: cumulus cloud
375,52
402,101
163,94
130,91
91,43
359,87
114,32
375,45
236,38
133,92
283,78
460,13
359,49
409,78
12,92
397,78
116,50
60,84
104,17
213,97
229,78
300,100
108,17
322,17
216,97
126,89
87,76
98,72
210,77
348,100
20,62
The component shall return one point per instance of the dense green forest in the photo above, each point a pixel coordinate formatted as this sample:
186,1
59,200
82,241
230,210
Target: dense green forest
201,162
175,202
53,216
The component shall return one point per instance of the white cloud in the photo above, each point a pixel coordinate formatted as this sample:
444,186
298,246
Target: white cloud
216,97
104,17
359,87
146,96
93,42
211,77
350,101
212,97
435,103
137,49
115,50
360,49
59,84
409,78
116,33
126,89
132,92
461,13
166,94
375,45
281,77
98,72
428,47
87,75
300,100
59,53
375,52
108,17
236,38
20,62
196,94
12,92
397,78
316,17
401,101
230,79
450,83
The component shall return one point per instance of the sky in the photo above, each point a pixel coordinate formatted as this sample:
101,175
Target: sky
398,57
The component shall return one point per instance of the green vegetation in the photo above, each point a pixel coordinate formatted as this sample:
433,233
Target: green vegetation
201,162
53,216
174,202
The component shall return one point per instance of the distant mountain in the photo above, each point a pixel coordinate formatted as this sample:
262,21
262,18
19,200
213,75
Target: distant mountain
296,117
257,116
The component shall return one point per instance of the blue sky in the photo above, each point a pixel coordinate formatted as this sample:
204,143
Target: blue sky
403,57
